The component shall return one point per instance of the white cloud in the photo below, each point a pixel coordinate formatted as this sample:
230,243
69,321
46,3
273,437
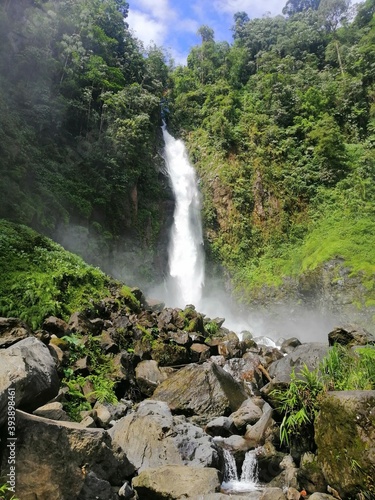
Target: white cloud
146,28
160,9
253,8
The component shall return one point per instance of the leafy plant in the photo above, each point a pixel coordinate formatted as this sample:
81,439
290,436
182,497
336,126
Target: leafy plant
299,404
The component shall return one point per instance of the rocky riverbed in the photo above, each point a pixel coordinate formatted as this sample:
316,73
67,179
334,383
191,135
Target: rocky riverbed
187,389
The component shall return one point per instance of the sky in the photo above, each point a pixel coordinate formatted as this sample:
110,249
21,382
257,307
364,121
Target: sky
173,24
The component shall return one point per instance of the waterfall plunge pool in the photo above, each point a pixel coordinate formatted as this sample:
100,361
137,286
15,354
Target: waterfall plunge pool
248,481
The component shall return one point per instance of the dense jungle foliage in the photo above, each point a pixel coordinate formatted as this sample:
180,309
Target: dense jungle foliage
280,125
80,117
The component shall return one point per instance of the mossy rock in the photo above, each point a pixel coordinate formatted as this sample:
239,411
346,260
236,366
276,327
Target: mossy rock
345,436
168,354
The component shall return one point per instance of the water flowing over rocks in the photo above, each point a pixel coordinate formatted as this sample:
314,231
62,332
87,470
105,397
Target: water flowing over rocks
186,394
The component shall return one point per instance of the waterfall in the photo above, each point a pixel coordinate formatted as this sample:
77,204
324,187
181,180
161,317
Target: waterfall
249,475
250,467
230,471
185,254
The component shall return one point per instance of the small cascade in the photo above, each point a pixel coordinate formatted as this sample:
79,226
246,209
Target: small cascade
230,470
249,474
250,468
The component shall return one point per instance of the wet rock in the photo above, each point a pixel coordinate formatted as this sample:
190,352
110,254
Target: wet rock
176,482
12,330
79,323
246,370
264,428
201,390
288,476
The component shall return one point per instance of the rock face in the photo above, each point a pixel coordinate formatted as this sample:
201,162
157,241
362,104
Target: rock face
29,368
205,390
12,330
55,459
152,437
347,417
175,482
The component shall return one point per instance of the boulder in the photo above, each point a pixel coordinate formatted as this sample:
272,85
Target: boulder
310,476
289,345
205,390
29,369
55,458
149,375
288,476
264,428
350,335
151,437
306,354
272,494
12,330
247,413
199,352
345,436
246,370
321,496
54,411
220,426
56,326
176,482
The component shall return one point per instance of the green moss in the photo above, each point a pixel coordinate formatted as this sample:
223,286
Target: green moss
168,354
129,297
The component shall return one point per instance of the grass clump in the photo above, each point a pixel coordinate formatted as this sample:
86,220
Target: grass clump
343,369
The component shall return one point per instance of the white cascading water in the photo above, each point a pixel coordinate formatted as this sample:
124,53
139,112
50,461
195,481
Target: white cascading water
186,256
249,475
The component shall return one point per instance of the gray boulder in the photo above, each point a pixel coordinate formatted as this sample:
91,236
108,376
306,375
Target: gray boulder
54,411
247,413
309,354
29,369
55,458
151,437
176,482
205,390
